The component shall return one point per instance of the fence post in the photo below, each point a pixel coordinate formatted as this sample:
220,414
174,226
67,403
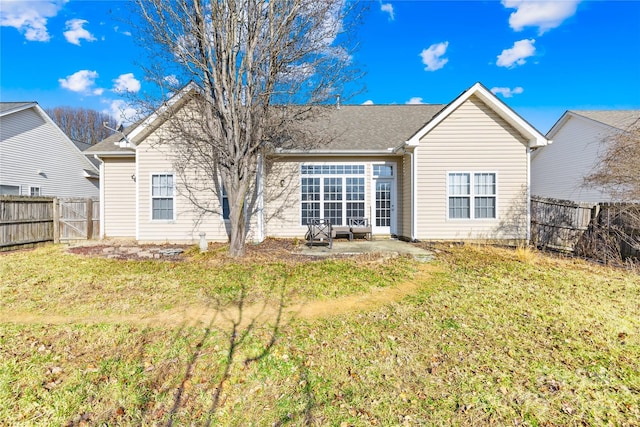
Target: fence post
89,218
56,220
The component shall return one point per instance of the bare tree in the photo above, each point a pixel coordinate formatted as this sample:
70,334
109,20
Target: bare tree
616,233
82,124
252,60
618,170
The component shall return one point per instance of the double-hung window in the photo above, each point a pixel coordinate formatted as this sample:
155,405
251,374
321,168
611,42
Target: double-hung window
472,195
35,191
333,192
162,196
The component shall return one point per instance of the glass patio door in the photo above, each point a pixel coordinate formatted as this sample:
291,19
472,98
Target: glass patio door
384,207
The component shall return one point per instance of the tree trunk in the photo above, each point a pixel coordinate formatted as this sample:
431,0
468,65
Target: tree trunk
237,233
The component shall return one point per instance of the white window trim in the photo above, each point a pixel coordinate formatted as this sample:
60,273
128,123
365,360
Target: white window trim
31,187
471,195
166,221
363,175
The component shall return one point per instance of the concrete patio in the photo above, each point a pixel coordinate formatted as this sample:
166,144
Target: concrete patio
362,246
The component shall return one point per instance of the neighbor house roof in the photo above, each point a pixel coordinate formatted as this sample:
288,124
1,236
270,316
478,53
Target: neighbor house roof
620,119
12,107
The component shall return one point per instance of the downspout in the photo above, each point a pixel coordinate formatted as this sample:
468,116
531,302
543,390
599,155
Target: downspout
414,202
136,183
101,196
260,185
528,195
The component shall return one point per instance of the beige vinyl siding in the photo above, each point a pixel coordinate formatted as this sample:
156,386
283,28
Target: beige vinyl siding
557,170
119,202
282,211
35,153
188,222
473,138
405,208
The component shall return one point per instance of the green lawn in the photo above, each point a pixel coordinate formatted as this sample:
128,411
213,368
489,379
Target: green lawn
485,336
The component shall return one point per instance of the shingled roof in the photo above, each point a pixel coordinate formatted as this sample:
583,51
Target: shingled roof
620,119
353,128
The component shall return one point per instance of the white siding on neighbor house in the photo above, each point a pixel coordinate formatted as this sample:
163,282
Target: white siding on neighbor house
558,169
188,223
119,202
472,139
35,153
283,207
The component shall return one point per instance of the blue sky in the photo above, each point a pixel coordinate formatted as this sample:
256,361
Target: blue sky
540,57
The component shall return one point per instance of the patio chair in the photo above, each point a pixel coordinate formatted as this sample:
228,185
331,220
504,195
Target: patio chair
361,226
319,230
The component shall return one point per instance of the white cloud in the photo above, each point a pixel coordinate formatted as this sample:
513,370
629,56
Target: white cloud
368,102
123,113
414,101
507,92
126,83
117,30
516,55
388,8
80,81
75,32
29,17
432,56
544,14
171,80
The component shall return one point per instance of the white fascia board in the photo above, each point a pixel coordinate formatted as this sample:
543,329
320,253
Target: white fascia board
560,123
535,138
163,108
20,108
101,154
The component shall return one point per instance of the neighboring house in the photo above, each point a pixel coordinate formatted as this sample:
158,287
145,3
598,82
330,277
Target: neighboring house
419,172
580,137
38,159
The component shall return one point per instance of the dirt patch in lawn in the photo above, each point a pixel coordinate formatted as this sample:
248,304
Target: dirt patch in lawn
243,314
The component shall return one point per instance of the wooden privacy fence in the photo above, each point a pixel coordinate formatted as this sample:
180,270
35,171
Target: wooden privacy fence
30,220
586,228
559,224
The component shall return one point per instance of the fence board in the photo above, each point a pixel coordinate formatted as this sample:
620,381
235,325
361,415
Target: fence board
28,220
25,220
559,224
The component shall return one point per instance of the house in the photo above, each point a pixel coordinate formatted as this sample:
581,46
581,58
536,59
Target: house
38,159
419,172
580,137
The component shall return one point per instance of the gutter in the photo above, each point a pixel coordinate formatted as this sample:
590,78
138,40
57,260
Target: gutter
336,153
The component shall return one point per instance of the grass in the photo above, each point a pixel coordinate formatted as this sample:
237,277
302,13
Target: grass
489,337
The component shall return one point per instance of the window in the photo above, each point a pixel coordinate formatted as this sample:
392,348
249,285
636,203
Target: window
162,194
34,191
11,190
469,199
225,204
383,170
333,192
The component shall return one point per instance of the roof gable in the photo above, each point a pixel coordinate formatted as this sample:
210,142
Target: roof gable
535,138
7,108
617,119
